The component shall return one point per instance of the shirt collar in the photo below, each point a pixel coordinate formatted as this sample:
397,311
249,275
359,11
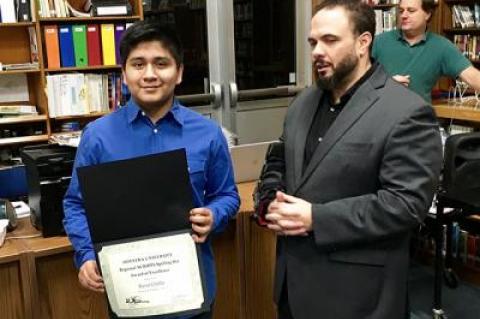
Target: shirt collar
401,37
134,111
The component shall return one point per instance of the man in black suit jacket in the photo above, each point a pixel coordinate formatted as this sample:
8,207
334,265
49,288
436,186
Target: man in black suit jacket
362,156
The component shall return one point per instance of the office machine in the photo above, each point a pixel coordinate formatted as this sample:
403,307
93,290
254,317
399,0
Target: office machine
49,170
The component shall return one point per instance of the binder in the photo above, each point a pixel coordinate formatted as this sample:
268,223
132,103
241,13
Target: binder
108,44
23,11
51,43
67,52
93,45
119,29
80,45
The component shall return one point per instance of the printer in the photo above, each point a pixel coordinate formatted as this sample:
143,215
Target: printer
49,170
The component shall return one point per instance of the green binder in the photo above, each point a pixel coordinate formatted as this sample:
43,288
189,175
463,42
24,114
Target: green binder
80,45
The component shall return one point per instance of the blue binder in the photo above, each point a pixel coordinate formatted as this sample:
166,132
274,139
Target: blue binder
67,54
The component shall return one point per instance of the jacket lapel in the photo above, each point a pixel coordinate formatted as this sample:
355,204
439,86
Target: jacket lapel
309,107
360,102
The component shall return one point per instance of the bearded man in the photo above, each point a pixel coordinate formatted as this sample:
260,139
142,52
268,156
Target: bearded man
359,162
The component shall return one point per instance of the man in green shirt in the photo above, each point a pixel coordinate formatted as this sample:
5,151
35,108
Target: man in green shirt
418,58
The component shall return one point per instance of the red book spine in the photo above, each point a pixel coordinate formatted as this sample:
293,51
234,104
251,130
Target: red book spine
94,47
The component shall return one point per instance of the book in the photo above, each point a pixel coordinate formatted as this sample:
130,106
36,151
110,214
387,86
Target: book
67,53
23,11
94,46
119,30
33,45
21,66
476,13
80,45
52,46
7,9
108,44
18,109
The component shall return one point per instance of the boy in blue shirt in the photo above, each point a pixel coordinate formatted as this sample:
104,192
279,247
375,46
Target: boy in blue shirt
154,121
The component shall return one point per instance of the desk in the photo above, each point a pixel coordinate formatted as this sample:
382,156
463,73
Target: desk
39,280
456,112
14,292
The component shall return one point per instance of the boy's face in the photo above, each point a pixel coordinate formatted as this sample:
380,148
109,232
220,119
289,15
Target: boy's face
151,75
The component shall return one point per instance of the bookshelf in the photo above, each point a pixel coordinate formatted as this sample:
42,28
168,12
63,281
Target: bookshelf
385,15
461,24
16,49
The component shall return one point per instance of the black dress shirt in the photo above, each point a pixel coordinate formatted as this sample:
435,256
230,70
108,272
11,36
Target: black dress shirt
327,112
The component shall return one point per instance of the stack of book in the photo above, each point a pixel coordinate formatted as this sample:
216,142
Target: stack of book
17,110
465,16
81,94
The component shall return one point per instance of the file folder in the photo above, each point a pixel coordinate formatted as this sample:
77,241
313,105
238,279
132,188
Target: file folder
80,45
93,45
51,43
119,29
67,53
108,44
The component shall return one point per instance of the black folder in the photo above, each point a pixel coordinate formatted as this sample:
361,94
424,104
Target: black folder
137,197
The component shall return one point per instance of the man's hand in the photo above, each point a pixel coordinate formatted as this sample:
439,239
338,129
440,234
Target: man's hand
89,276
289,215
403,79
202,222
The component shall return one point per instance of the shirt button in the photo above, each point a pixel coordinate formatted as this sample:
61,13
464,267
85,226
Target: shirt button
332,109
155,130
143,113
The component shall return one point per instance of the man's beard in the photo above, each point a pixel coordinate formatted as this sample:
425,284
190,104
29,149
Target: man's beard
340,75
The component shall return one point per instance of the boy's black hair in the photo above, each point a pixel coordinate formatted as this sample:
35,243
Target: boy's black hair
146,31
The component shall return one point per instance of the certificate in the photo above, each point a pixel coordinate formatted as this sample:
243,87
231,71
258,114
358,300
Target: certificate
154,276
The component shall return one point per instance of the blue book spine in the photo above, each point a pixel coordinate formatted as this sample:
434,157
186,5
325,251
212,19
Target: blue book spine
455,235
67,53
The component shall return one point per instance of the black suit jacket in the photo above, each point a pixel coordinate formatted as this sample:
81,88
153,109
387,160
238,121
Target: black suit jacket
371,181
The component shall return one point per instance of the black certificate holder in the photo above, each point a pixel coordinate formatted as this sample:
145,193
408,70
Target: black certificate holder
205,306
137,197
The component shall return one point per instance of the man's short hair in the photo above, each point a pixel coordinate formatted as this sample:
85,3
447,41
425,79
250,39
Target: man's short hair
147,31
429,6
361,14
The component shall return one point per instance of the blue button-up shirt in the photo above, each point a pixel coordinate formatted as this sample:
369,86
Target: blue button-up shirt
129,133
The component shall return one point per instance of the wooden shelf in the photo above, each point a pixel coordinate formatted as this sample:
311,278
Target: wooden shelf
86,68
462,30
17,24
66,133
465,2
456,112
383,6
19,71
75,117
23,119
89,19
23,139
474,218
